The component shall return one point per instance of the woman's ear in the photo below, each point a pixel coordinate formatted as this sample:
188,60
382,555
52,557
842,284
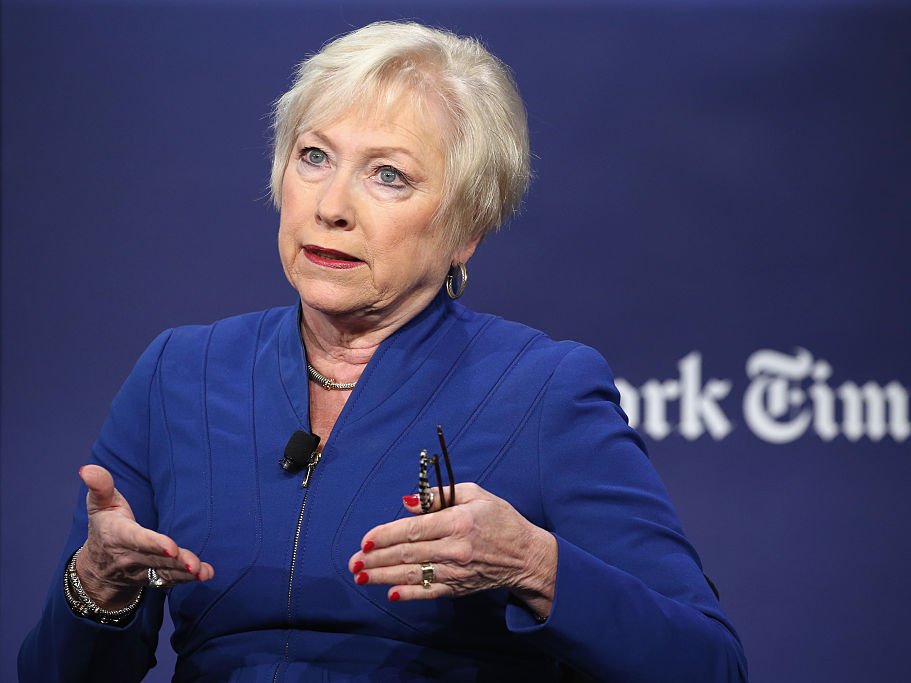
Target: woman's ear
466,252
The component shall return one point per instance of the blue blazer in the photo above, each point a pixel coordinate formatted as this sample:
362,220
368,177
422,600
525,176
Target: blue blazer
194,439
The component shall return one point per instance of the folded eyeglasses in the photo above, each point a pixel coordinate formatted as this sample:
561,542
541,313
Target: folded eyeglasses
425,492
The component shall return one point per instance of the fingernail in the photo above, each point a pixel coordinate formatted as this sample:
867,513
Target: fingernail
368,546
80,470
164,551
187,567
411,500
395,597
362,578
197,576
358,566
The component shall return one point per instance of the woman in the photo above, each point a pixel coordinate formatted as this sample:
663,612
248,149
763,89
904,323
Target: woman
397,149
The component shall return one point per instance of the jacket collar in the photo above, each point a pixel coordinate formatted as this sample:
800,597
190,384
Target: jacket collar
396,359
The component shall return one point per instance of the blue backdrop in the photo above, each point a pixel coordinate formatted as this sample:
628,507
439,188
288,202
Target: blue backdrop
721,206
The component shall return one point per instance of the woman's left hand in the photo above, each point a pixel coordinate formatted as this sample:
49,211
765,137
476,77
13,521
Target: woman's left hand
480,543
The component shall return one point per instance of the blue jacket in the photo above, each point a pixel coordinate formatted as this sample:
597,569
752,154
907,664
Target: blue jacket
194,440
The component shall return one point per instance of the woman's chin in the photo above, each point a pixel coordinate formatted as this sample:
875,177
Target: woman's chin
335,302
358,303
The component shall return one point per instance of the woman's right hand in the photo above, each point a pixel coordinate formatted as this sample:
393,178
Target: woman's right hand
113,564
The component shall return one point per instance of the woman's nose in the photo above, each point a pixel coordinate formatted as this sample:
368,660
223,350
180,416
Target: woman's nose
334,208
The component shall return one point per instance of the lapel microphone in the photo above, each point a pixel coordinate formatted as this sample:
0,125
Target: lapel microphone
300,451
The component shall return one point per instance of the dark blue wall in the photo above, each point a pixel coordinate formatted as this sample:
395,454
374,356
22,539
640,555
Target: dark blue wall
713,179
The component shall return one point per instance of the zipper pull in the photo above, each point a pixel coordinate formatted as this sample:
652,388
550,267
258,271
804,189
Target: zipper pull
311,465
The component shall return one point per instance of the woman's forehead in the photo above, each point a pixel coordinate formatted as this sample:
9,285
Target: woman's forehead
422,112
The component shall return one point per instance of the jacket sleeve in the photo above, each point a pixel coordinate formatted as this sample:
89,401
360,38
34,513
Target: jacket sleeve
64,647
631,602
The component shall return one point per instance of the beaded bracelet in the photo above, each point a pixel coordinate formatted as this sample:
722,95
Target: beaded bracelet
82,604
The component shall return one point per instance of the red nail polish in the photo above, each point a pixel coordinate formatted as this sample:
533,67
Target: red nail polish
358,566
197,576
411,501
395,597
164,551
368,546
187,567
362,578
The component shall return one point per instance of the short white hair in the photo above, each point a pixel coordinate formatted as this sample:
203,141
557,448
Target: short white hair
486,150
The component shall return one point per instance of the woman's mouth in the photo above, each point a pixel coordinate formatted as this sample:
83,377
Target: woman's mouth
330,258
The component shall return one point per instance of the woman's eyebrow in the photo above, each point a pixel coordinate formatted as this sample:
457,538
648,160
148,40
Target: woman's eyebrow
390,150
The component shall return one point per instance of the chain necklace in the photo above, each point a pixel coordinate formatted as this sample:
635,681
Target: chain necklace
327,383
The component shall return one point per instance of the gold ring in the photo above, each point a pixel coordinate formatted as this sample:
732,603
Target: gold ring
427,576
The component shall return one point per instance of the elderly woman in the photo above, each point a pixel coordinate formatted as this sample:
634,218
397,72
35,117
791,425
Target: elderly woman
397,150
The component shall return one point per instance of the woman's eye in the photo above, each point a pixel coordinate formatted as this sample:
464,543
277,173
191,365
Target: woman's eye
314,156
388,175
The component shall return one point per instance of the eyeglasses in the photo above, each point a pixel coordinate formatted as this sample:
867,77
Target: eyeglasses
425,493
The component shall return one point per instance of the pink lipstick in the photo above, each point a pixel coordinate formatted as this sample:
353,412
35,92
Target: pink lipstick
330,258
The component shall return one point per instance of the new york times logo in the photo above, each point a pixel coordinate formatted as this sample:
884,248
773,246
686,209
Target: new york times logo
787,397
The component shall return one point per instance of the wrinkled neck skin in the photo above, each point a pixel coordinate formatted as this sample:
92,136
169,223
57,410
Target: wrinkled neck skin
341,346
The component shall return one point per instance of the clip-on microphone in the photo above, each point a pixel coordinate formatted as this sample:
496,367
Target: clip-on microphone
300,451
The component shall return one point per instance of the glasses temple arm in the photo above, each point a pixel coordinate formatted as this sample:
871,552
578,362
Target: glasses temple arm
448,467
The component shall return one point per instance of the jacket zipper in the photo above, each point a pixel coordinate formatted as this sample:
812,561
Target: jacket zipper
305,484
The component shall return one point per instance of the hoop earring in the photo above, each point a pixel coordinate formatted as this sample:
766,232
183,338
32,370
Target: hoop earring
456,290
